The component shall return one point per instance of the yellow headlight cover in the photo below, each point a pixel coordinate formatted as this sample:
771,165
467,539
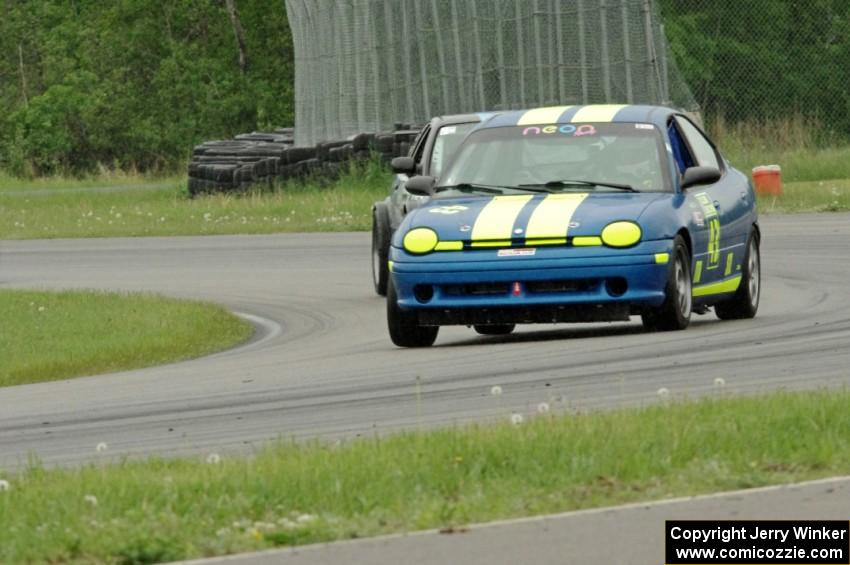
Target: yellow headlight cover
420,240
621,234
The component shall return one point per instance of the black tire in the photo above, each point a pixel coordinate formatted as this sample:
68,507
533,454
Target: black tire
675,313
495,329
745,303
380,248
404,328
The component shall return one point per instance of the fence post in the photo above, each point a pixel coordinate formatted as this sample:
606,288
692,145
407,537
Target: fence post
627,53
582,50
606,63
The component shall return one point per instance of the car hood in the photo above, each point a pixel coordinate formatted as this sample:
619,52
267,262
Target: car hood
530,218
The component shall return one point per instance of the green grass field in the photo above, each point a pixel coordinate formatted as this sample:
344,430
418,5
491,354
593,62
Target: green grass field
57,335
165,210
297,493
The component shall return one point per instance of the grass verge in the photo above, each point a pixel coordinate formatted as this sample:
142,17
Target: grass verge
56,335
817,196
297,493
344,205
107,179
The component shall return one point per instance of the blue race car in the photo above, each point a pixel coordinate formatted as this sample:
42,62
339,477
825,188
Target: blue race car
576,214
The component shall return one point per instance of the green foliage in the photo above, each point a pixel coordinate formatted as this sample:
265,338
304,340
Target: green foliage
133,84
764,60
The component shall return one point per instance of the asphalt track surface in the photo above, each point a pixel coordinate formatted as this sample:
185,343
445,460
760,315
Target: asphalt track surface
322,365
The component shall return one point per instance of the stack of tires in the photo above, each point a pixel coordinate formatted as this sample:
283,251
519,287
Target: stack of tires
263,158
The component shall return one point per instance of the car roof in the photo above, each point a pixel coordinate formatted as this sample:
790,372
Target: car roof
596,113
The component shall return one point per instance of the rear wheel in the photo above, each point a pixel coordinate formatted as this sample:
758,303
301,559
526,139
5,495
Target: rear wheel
675,312
380,248
745,303
404,327
495,329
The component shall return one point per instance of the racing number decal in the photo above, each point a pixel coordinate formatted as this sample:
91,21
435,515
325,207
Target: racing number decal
713,220
448,209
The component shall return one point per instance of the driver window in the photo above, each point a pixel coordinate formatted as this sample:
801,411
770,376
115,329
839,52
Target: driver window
705,154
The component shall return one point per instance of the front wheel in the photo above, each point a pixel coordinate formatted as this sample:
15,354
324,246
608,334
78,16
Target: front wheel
404,327
745,303
675,312
380,248
495,329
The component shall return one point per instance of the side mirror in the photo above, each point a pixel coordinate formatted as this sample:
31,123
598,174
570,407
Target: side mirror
403,165
700,175
421,186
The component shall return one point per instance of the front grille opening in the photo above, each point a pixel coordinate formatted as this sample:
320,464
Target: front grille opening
541,287
476,289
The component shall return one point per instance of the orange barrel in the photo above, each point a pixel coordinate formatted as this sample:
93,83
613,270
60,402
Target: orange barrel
768,180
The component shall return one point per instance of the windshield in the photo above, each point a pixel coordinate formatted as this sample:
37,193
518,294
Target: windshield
562,157
447,142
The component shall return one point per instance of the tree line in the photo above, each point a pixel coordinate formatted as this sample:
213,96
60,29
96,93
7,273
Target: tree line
133,84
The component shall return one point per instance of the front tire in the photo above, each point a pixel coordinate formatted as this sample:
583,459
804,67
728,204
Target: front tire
380,248
495,329
675,313
404,327
745,303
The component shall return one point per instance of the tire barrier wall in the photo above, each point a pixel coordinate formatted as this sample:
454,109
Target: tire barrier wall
260,159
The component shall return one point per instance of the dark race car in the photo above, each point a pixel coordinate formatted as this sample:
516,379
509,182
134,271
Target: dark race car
429,153
576,214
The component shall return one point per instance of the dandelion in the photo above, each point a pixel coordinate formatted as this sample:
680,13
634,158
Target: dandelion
213,458
207,217
90,499
663,393
41,308
305,519
516,419
4,485
496,390
101,447
543,408
719,382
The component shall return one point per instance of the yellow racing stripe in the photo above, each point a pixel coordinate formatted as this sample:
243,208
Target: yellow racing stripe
597,113
542,115
496,220
551,218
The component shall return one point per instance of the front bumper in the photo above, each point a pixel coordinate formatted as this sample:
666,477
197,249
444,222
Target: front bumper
557,284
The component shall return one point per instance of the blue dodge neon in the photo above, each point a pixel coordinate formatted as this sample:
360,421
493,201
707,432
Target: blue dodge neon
576,214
